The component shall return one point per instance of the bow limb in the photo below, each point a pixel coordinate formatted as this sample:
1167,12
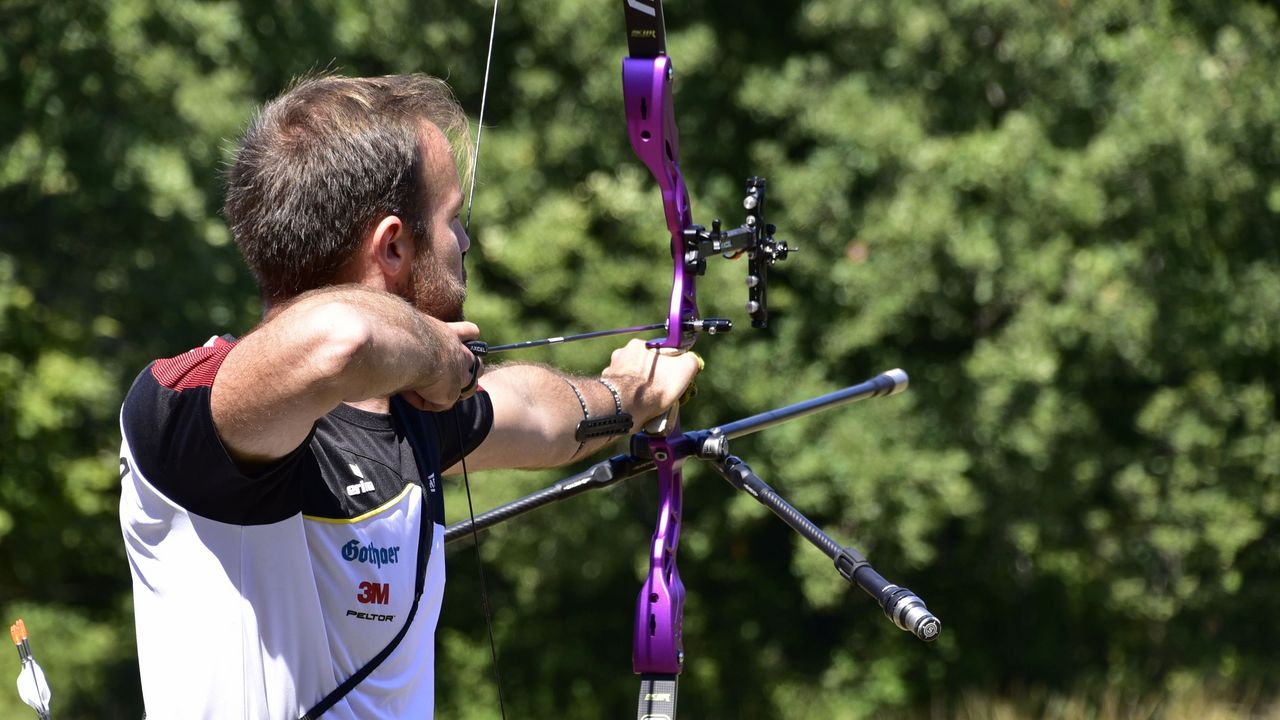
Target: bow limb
647,76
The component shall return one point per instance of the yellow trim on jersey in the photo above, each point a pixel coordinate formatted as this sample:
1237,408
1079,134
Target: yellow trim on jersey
365,516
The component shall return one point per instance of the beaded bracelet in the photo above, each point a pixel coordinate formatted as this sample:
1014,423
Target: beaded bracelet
591,428
585,416
617,398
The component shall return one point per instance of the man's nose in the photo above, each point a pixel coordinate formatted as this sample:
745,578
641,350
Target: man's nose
464,240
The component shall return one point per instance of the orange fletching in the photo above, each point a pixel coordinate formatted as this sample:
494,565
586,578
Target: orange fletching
13,634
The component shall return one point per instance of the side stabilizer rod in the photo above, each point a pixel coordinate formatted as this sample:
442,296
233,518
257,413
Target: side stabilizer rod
602,474
903,607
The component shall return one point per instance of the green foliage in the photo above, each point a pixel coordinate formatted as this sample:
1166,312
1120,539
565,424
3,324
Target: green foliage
1060,218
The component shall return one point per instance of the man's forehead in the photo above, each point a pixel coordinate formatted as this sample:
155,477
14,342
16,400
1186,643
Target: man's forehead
440,160
435,144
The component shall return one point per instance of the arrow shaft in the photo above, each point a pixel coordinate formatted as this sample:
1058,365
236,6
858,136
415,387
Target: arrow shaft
574,338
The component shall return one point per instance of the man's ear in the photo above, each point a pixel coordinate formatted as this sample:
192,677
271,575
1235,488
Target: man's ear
390,249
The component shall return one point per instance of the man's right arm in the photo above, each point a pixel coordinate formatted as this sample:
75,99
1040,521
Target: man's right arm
344,343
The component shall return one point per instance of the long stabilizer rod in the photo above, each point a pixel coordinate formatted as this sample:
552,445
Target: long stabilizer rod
890,382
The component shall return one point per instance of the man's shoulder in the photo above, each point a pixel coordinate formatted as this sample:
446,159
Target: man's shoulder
162,384
172,443
193,368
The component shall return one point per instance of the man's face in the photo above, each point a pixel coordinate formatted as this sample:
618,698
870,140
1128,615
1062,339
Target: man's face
439,283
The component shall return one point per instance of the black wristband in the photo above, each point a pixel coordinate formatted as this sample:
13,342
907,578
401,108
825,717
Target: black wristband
610,426
592,428
618,424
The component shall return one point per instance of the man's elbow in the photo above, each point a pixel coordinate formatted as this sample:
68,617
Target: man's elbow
341,338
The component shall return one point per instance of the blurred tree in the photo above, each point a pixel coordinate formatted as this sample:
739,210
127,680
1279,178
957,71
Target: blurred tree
1060,218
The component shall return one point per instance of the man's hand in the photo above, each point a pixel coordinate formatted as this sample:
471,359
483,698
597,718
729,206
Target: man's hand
457,380
650,381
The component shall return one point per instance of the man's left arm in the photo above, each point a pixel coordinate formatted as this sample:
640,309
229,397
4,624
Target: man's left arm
536,409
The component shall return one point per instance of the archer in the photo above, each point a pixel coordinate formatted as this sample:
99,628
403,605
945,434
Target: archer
282,507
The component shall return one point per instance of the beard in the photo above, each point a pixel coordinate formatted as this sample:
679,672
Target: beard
436,291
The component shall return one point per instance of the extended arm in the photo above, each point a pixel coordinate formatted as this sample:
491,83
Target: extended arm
344,343
536,411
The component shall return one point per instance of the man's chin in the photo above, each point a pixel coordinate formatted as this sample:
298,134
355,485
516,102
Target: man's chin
448,312
458,314
445,316
444,306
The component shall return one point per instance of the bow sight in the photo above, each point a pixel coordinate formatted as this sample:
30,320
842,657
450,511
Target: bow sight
754,237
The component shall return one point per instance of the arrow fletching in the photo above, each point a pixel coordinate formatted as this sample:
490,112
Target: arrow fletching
33,686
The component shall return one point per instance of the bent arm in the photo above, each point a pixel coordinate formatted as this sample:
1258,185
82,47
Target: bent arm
338,344
536,412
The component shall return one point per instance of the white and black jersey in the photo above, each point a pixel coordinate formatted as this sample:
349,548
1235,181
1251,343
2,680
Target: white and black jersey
257,593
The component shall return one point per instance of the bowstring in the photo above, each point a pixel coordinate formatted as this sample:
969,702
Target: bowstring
484,593
484,95
457,423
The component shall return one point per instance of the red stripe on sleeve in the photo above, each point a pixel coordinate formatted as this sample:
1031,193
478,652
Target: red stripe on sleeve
194,368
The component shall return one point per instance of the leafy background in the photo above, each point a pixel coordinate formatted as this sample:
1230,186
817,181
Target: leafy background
1061,218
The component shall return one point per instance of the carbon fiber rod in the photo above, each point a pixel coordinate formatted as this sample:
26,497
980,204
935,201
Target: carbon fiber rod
696,442
886,383
899,604
602,474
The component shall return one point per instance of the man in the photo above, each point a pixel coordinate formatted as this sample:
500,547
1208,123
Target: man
281,498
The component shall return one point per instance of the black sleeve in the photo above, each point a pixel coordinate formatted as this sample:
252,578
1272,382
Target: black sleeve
463,427
168,427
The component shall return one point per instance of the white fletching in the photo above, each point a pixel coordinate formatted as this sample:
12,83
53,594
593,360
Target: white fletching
33,688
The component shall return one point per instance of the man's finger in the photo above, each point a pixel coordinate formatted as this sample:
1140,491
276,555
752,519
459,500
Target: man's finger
465,330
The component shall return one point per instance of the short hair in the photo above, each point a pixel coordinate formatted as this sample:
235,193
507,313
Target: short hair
321,164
